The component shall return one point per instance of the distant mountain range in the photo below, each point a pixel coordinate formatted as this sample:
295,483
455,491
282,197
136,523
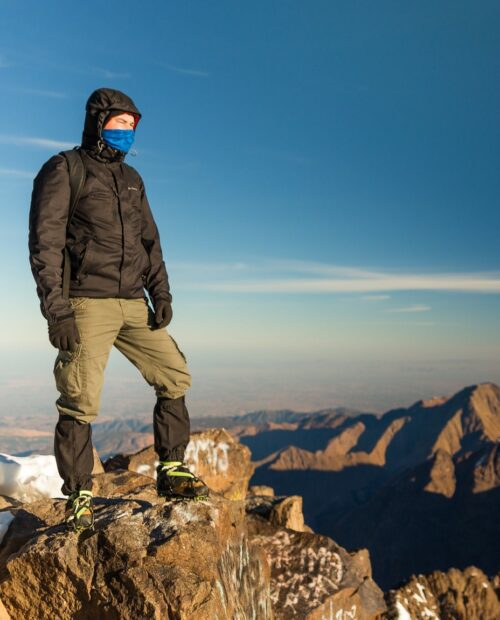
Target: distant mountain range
418,486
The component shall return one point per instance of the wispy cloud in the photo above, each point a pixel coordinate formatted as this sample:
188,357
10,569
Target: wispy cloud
44,143
193,72
277,276
375,297
109,74
414,308
12,172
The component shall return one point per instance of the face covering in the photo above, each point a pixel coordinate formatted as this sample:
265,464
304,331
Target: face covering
120,139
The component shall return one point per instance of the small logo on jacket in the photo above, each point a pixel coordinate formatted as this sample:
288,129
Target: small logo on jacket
134,188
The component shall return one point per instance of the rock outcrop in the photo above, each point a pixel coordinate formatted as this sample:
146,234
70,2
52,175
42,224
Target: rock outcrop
217,559
451,595
147,558
312,578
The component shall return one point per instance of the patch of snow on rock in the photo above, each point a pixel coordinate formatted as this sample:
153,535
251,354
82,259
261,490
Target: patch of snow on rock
29,478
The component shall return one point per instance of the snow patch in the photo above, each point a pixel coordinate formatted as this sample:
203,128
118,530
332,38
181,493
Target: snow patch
6,519
214,454
402,612
29,478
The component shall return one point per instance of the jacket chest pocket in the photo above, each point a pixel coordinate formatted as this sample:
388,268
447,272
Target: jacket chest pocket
99,206
134,207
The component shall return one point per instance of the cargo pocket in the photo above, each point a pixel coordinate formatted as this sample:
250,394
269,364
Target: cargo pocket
68,373
78,302
177,347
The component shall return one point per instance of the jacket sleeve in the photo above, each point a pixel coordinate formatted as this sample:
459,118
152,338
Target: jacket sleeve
48,217
156,284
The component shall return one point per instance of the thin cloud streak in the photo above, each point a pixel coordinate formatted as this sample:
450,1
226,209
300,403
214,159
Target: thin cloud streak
12,172
391,283
375,297
347,279
44,143
415,308
193,72
112,75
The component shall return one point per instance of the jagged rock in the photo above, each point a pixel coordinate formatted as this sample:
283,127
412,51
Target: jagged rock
98,466
312,578
442,474
261,489
3,612
454,595
279,510
288,513
487,469
7,502
146,559
215,455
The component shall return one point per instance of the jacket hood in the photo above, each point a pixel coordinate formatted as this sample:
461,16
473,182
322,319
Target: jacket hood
100,105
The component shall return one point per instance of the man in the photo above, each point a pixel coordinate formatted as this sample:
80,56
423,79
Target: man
116,255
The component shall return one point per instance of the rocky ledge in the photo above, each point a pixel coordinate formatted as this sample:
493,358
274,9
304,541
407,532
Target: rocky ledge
217,559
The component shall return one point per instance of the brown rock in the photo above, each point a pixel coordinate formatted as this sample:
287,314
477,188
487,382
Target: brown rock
288,513
442,475
487,470
454,595
3,612
98,467
215,455
314,578
261,489
146,559
7,502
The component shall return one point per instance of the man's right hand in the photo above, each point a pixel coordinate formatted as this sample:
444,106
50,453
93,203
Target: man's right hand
64,335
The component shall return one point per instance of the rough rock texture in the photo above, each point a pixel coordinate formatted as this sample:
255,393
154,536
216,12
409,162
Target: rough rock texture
442,474
312,578
146,559
215,455
453,595
487,469
98,466
217,559
4,615
261,489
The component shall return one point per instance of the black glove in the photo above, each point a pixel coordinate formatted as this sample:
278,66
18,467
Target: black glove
163,313
64,334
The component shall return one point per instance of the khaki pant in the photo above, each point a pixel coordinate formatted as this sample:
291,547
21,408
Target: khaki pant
128,325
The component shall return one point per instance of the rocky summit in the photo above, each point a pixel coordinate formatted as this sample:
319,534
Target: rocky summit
234,556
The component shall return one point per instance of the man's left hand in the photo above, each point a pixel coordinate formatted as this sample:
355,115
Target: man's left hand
163,313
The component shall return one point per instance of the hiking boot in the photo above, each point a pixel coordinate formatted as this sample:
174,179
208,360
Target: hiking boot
175,481
79,514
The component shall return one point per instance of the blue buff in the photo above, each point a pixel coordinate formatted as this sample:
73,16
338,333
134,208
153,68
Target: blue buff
120,139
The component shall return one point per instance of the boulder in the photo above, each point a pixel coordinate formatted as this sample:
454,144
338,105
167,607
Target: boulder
450,595
147,558
312,578
214,455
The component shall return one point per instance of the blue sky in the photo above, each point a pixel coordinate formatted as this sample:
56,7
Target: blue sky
324,176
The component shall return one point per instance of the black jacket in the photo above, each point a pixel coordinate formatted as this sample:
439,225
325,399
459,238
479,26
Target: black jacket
112,239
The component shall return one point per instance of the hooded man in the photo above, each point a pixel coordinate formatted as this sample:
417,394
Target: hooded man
115,254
